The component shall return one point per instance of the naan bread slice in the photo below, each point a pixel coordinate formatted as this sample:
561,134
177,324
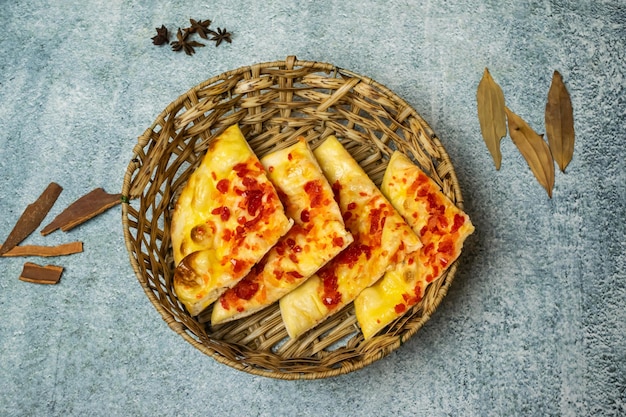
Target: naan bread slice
442,228
381,239
226,219
318,235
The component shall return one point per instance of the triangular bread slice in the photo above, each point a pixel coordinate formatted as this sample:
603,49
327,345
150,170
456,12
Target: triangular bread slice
318,235
226,219
442,228
381,239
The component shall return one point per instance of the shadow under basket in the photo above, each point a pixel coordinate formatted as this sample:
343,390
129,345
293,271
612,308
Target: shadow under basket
274,103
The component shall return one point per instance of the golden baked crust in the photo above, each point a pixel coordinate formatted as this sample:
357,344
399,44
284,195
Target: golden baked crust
381,239
225,220
318,235
442,228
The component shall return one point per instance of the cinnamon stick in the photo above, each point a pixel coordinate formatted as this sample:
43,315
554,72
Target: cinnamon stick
37,274
45,251
83,209
32,217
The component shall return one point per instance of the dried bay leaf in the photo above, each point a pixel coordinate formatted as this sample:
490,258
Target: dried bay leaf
534,149
491,115
560,122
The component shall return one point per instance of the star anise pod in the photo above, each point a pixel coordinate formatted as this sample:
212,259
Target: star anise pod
201,27
182,44
220,35
161,37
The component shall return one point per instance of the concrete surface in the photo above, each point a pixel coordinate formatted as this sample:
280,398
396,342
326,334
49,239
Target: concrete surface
535,323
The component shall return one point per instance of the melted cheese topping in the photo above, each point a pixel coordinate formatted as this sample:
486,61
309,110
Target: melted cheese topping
319,235
442,227
230,211
381,239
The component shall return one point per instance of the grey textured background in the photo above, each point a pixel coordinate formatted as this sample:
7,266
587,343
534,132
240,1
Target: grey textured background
535,322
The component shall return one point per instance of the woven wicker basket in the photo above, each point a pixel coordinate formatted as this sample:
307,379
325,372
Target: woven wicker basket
274,103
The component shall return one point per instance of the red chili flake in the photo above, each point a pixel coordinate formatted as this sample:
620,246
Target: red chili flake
418,292
305,216
428,248
400,308
241,169
411,261
222,185
352,206
238,265
227,235
241,220
270,169
250,182
245,289
447,247
290,242
347,215
351,255
280,248
330,296
295,274
458,222
368,251
432,202
338,241
435,271
289,156
278,273
250,223
432,224
443,222
254,201
224,212
297,249
213,175
314,190
224,301
423,230
375,220
293,258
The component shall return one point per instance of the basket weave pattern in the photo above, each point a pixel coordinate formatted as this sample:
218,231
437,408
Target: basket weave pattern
274,103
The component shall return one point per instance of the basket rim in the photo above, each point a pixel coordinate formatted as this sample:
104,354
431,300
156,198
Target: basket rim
180,328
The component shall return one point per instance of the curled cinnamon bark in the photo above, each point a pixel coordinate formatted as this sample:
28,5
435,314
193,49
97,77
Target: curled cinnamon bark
45,251
83,209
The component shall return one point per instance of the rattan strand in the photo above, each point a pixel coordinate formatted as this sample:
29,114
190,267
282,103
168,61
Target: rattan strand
274,103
